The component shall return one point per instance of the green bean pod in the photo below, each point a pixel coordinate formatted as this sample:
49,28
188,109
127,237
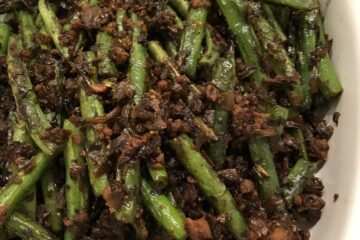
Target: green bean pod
138,62
301,172
307,44
182,6
26,228
52,195
5,31
329,82
27,105
90,107
278,57
191,41
12,193
296,4
77,187
27,29
273,21
53,26
210,185
212,52
20,134
224,78
243,37
106,66
165,213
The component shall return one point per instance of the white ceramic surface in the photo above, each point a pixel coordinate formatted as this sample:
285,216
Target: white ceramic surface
341,175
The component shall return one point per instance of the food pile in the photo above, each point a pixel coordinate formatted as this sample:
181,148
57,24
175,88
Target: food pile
173,119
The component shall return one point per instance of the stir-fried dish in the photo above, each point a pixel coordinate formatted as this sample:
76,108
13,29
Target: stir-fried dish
169,119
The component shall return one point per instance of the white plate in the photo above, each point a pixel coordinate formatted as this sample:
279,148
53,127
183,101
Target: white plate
341,174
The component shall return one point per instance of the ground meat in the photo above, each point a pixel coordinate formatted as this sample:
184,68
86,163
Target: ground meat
257,229
246,186
140,147
200,3
314,186
318,149
309,207
150,114
42,215
92,16
119,55
198,229
229,175
165,22
186,194
336,117
102,165
107,228
114,196
17,151
249,123
242,70
279,233
212,93
78,226
177,126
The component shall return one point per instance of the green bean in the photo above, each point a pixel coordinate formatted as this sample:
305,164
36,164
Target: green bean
329,82
21,135
5,31
178,22
159,175
264,164
212,52
13,192
165,213
191,41
27,105
224,78
296,4
52,196
210,185
26,228
120,18
171,49
282,14
90,107
301,172
53,26
138,77
106,66
280,114
131,180
244,37
182,6
307,44
273,21
77,188
138,61
27,29
157,52
278,57
247,45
